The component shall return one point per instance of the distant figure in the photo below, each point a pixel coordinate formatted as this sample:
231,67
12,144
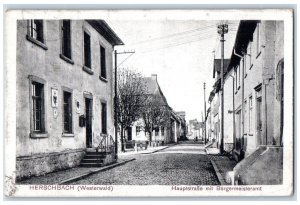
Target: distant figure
196,139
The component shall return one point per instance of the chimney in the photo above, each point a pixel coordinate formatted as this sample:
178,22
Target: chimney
154,77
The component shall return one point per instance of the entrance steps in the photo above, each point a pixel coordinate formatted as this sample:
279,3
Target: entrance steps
93,159
263,167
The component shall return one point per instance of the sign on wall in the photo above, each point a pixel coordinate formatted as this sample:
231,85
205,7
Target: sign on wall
54,97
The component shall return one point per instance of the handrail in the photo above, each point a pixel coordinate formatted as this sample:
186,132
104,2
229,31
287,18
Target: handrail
107,143
102,143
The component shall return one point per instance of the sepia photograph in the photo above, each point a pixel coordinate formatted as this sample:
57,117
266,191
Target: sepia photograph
149,103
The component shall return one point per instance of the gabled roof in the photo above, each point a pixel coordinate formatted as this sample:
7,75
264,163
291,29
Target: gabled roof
217,66
103,28
151,85
153,88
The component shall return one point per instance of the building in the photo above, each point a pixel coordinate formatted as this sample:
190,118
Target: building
215,106
183,127
208,125
167,132
194,129
255,78
64,92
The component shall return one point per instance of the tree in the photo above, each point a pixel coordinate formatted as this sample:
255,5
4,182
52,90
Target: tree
155,114
130,99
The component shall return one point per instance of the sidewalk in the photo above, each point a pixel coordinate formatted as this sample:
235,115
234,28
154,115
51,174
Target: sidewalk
223,167
212,148
149,150
69,175
76,173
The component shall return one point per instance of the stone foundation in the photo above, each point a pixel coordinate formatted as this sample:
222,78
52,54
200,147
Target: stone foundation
40,164
109,159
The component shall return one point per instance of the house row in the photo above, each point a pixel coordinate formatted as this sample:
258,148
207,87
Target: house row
253,102
194,129
172,128
64,92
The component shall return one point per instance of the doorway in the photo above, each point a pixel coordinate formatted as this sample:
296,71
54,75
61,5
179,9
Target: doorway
129,133
89,115
259,120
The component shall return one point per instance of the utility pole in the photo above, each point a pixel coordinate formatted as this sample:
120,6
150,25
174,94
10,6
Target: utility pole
115,108
204,115
116,100
222,29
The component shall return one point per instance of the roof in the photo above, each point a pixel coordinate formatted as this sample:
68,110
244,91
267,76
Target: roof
211,96
152,88
151,85
243,36
103,28
217,66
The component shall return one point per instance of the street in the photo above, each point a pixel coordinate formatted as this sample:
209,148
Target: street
182,164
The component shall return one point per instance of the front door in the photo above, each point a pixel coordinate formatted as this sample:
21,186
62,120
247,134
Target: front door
259,121
89,115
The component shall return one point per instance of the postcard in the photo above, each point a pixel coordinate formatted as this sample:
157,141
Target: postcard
110,103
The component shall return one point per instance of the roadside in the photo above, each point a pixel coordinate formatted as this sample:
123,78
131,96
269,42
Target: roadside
69,175
149,150
223,167
223,164
76,173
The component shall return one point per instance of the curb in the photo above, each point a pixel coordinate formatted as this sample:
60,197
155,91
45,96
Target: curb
219,176
208,145
82,176
155,150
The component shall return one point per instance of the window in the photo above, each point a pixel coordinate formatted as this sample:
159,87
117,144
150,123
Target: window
66,38
250,114
67,111
156,131
258,39
163,131
87,50
102,62
138,130
104,118
36,30
245,65
35,33
236,79
38,108
248,59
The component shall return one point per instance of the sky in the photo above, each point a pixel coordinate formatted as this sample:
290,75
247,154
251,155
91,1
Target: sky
180,52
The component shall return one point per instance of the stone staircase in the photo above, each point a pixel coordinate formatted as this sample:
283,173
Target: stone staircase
263,167
93,159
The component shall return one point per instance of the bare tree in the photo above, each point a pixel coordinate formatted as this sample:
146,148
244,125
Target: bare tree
130,99
155,114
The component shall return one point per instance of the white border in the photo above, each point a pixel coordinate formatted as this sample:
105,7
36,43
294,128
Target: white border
234,14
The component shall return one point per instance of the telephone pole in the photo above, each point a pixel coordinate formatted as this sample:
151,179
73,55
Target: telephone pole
204,115
116,101
222,29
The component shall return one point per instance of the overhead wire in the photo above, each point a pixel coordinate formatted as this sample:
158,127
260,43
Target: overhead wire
178,44
174,34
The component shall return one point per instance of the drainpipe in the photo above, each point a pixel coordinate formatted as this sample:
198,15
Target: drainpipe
242,88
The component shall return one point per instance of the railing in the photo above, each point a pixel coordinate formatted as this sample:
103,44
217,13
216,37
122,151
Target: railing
107,144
